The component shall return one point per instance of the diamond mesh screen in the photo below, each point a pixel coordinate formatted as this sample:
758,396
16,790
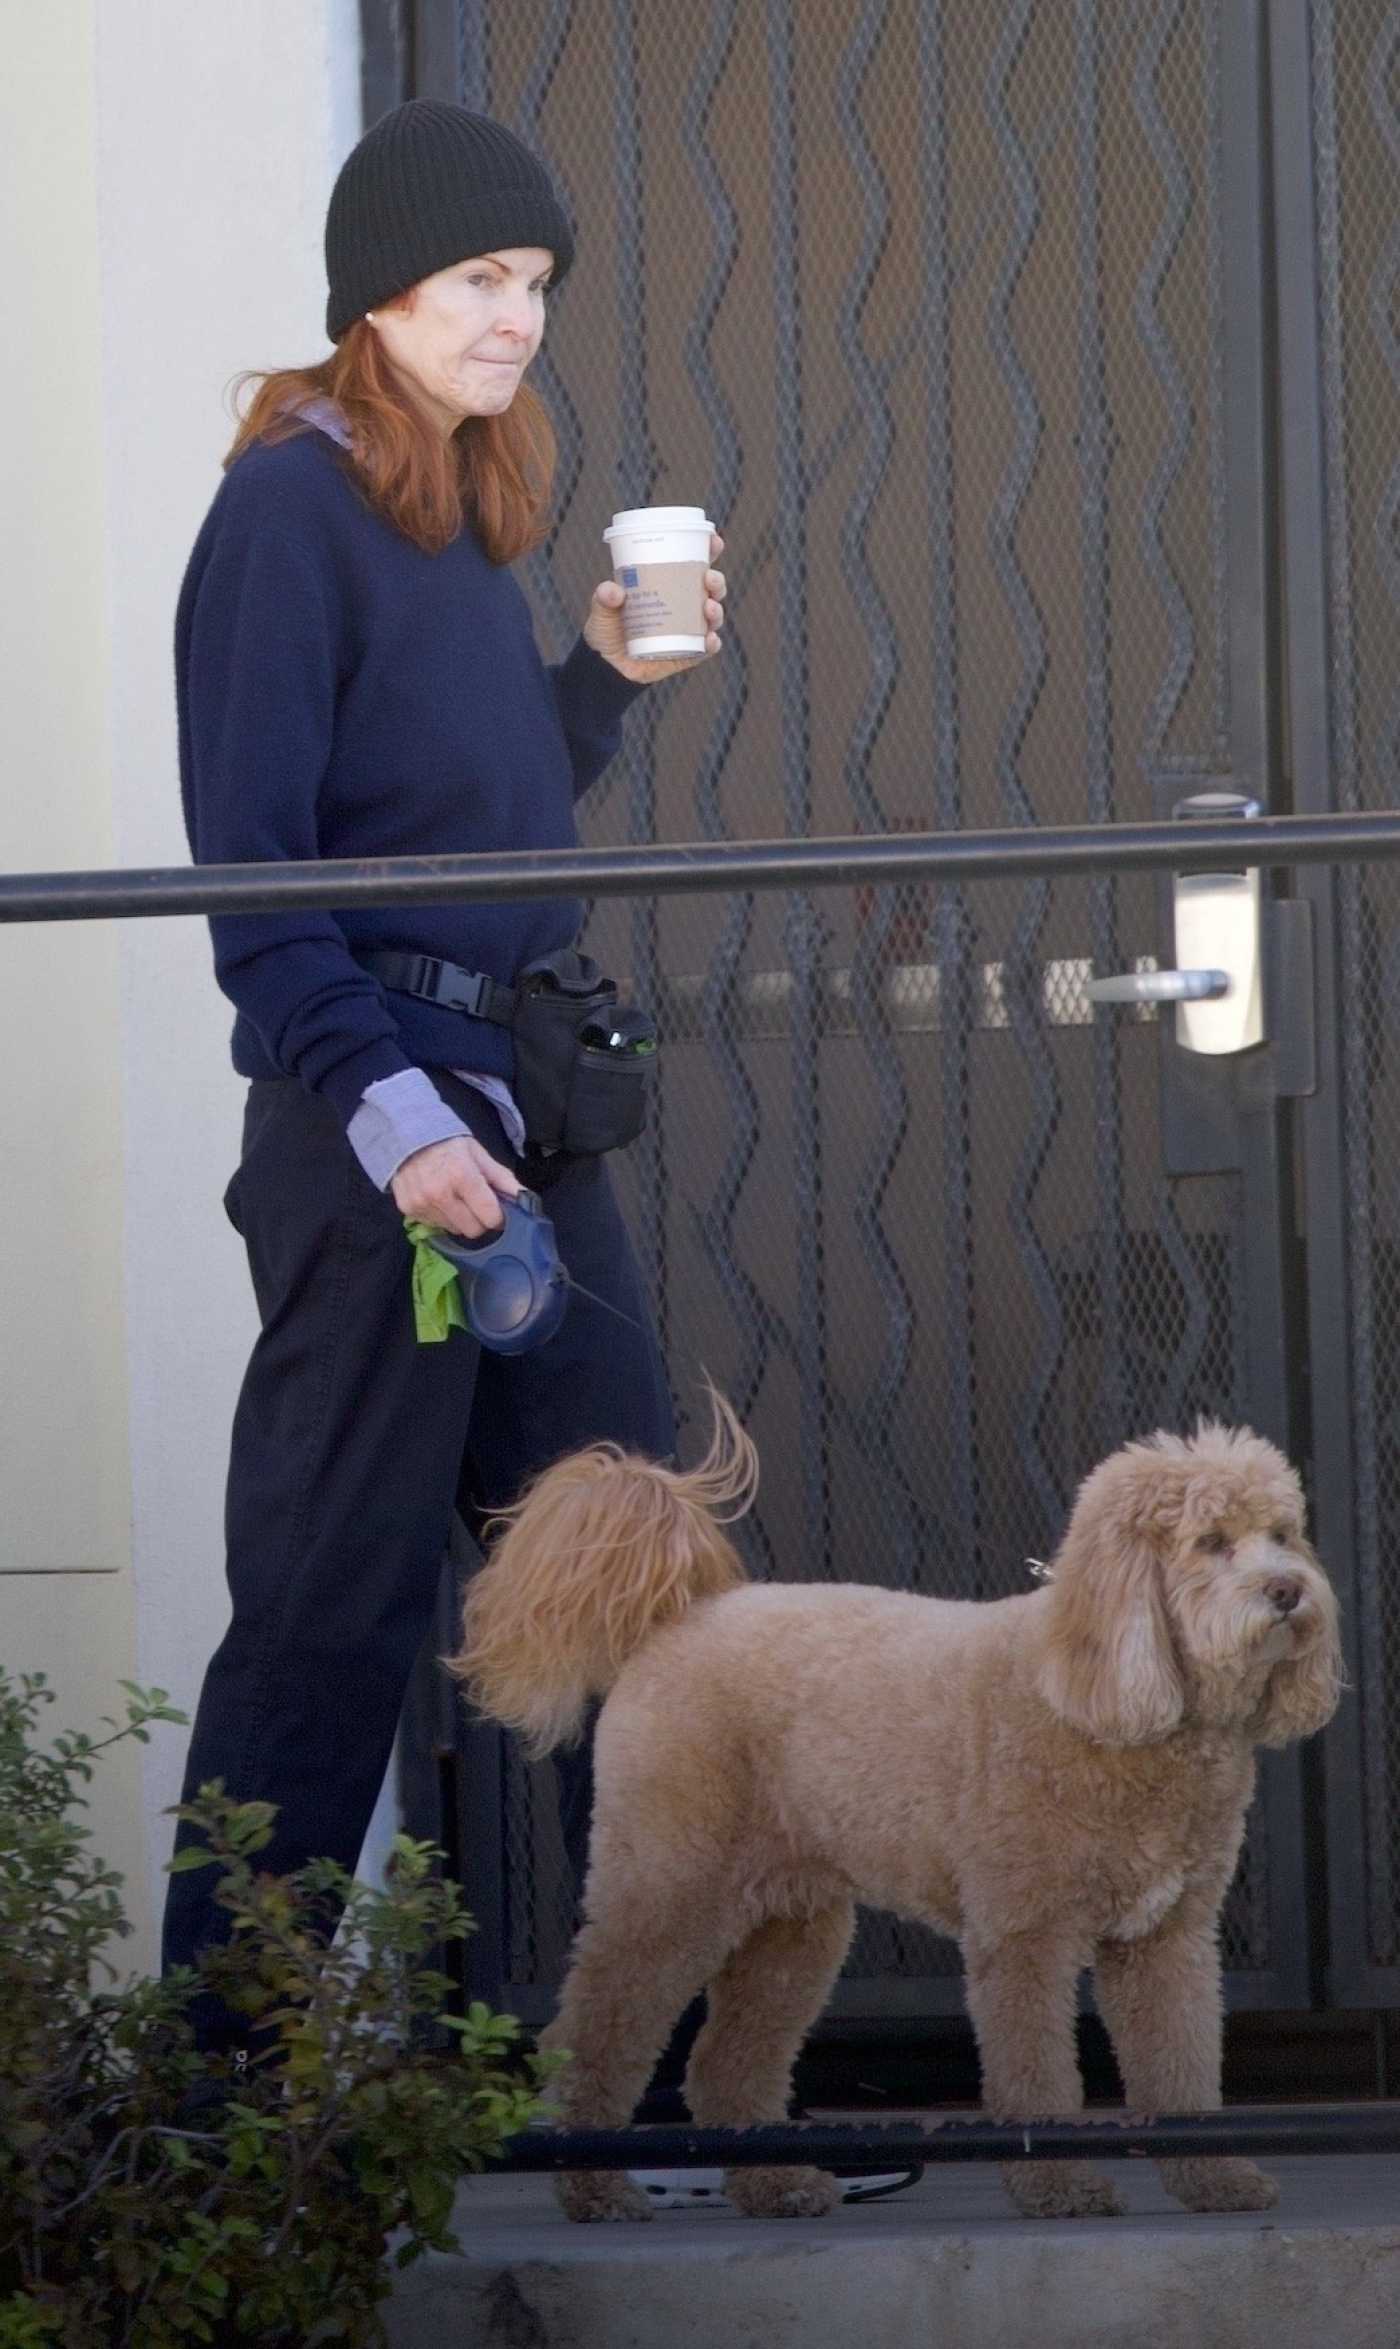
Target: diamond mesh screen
1356,70
924,303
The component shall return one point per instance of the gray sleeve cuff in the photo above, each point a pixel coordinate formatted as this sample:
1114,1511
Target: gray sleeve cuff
398,1115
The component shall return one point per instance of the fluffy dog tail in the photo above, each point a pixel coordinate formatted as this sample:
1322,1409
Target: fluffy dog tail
604,1549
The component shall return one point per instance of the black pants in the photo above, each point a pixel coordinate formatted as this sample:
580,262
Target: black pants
352,1446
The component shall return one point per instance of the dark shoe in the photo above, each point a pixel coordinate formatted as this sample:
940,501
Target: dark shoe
704,2189
871,2185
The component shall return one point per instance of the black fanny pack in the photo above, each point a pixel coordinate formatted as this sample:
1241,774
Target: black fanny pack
584,1061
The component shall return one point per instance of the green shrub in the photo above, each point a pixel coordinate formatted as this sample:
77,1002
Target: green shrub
150,2195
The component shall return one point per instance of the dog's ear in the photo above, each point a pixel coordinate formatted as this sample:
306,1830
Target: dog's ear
1304,1692
1108,1666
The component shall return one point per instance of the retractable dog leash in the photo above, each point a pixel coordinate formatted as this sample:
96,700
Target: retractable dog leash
514,1287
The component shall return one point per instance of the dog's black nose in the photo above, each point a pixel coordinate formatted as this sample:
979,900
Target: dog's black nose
1283,1595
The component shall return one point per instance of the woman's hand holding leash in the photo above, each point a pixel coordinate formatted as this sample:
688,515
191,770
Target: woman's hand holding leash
454,1185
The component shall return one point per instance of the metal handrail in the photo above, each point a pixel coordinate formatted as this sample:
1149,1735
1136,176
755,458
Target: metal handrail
698,866
1347,2129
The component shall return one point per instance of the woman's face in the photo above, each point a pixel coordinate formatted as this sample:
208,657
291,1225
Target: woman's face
464,337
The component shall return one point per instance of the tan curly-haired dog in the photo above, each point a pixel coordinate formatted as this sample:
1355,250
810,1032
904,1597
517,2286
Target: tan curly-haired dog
1058,1779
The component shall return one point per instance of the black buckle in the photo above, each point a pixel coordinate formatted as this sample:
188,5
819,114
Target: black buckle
421,973
448,984
436,981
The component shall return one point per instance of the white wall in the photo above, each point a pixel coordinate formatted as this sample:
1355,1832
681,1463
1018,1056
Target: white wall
66,1586
61,1473
220,128
166,167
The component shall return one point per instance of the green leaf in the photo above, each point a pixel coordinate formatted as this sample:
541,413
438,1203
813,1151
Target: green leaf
191,1857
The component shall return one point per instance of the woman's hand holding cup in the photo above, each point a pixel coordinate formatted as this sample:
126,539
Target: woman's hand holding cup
617,625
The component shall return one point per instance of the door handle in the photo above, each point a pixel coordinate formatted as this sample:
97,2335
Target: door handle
1218,921
1159,987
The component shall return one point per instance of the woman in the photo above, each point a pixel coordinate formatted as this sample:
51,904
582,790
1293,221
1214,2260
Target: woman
357,676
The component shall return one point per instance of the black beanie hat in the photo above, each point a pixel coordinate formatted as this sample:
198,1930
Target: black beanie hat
429,185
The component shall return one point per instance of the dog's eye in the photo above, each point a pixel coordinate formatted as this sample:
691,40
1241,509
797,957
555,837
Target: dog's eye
1283,1535
1214,1543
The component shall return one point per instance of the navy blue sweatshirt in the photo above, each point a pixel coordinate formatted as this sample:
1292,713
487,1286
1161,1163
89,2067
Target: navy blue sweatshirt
341,693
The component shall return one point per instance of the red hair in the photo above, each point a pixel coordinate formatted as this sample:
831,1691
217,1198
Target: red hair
495,472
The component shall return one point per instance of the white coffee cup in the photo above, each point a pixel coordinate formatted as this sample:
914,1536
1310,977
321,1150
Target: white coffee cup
660,555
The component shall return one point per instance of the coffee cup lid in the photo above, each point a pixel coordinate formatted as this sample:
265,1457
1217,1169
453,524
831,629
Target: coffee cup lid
660,518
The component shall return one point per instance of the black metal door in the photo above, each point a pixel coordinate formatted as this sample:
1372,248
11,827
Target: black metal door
1337,106
965,323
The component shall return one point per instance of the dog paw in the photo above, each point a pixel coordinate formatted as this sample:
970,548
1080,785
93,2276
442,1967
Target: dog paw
796,2193
1220,2183
593,2197
1061,2189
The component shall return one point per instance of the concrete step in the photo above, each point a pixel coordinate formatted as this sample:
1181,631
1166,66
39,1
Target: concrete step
947,2265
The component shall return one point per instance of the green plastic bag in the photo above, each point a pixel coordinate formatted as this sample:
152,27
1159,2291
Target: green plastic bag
437,1292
